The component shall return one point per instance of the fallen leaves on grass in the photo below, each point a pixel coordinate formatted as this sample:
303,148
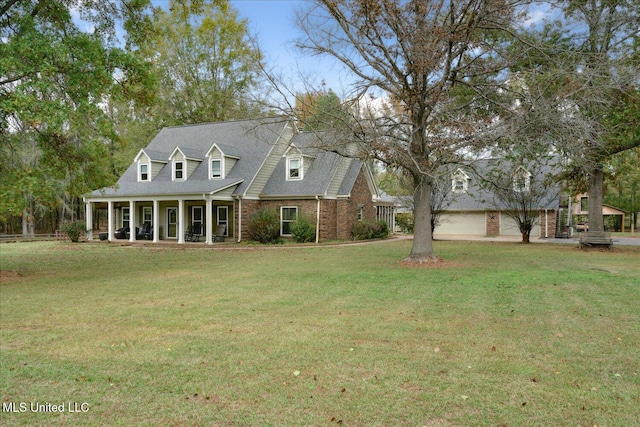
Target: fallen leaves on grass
7,276
431,265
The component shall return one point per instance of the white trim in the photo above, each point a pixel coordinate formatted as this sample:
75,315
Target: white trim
140,153
268,156
88,214
146,209
132,221
318,220
222,166
166,233
520,173
156,221
289,221
181,221
184,156
239,199
148,165
208,220
122,211
300,160
218,210
193,216
174,170
459,175
110,219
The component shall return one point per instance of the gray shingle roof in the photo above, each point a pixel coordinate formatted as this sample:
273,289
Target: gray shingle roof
478,197
251,141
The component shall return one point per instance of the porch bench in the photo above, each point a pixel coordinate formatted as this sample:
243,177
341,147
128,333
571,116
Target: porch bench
595,238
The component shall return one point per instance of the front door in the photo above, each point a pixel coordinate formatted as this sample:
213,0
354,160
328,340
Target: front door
196,217
223,218
172,223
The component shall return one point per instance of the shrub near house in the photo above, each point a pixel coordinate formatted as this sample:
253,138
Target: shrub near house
74,230
364,230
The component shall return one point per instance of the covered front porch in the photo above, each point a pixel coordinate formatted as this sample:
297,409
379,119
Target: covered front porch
161,219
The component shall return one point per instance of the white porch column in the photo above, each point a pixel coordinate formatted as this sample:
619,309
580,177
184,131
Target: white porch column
88,217
181,221
209,221
110,221
133,223
156,221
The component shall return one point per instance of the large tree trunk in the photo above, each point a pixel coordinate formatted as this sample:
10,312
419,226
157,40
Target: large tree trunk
596,220
28,226
422,250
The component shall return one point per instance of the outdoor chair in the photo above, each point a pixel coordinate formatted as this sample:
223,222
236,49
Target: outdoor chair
220,233
193,235
145,232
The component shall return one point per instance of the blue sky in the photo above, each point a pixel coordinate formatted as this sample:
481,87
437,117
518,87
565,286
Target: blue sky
272,22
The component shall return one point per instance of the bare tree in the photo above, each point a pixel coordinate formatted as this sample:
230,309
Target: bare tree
440,62
521,187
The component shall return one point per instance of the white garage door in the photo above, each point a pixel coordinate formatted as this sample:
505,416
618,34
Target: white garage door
462,223
510,228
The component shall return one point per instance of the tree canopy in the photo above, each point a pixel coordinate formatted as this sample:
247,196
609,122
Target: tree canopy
54,74
205,60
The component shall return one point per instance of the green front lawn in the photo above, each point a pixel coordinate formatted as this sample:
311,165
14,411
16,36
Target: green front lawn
499,334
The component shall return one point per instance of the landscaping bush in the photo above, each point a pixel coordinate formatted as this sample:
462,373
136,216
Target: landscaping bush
363,230
264,226
382,230
405,222
73,230
303,230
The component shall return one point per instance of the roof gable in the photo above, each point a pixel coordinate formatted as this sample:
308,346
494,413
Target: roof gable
256,154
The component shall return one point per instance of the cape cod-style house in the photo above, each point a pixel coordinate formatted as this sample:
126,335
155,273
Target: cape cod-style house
217,174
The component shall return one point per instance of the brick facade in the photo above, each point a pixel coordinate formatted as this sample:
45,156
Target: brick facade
492,223
548,221
337,217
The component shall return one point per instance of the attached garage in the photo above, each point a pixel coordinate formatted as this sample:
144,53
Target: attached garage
509,227
472,223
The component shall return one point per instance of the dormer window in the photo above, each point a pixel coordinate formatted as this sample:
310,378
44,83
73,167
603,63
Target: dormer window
220,163
521,180
178,170
460,182
149,164
216,168
143,172
294,168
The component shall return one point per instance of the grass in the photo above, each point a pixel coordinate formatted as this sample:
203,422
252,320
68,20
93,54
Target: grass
501,334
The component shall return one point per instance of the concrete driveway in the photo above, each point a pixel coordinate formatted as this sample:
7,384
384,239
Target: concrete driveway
625,241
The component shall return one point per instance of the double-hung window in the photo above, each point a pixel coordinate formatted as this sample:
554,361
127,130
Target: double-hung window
521,180
288,215
294,168
216,168
143,172
178,170
460,182
125,217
